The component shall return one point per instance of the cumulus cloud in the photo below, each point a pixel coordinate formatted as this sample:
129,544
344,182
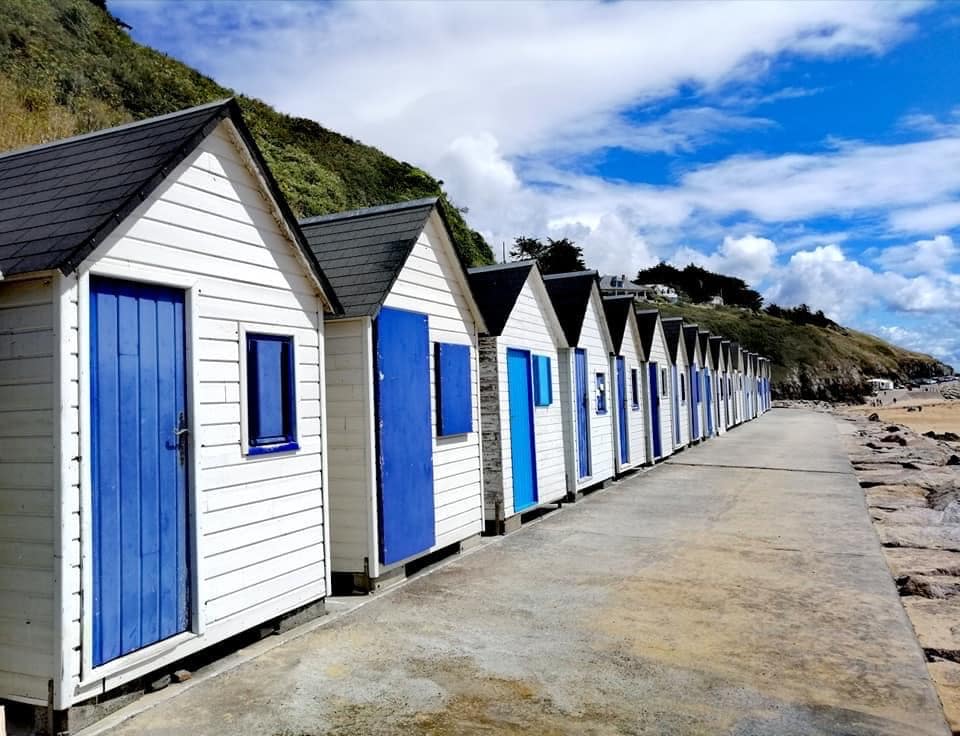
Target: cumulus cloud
750,257
924,256
825,278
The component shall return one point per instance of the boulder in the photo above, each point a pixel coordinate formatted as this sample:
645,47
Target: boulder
905,561
909,516
892,498
937,623
892,428
929,586
946,678
944,536
894,438
873,417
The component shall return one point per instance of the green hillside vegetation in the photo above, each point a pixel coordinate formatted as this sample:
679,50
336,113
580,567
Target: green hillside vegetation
809,361
68,67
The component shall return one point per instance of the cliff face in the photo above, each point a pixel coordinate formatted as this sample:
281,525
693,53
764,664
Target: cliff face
810,362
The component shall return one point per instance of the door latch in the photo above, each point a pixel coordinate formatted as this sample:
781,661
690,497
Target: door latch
182,433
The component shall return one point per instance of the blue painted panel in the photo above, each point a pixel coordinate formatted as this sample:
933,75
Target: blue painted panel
676,405
271,393
542,381
582,399
622,410
404,435
522,441
454,397
655,410
708,390
139,476
694,403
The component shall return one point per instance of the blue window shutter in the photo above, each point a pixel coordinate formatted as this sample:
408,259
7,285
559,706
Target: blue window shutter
454,395
542,381
271,394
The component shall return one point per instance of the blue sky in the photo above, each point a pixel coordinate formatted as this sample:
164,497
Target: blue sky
812,148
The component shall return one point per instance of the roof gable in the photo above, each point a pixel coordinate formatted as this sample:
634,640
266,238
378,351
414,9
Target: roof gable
61,200
363,251
496,289
672,330
691,342
647,324
570,294
716,352
704,337
617,310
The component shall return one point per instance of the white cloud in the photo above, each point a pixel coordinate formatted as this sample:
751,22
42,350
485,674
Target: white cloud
824,278
928,219
933,256
749,257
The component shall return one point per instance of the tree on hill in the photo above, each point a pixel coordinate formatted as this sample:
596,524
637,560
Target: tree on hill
701,285
800,315
554,256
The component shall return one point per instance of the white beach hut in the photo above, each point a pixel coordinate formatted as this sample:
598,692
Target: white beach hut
524,465
406,474
162,449
657,385
584,379
627,364
680,389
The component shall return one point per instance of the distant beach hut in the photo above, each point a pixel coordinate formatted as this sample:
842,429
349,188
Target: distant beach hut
520,399
585,379
406,474
657,385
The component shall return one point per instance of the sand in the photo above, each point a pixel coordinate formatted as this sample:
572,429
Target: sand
938,416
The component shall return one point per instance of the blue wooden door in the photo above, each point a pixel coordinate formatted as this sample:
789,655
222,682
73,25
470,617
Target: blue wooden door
708,392
404,434
655,411
622,411
676,404
694,403
522,444
140,508
582,398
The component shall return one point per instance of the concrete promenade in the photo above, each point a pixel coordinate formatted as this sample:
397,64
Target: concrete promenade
737,589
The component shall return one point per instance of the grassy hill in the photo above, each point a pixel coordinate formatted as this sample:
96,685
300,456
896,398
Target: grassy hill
67,67
808,361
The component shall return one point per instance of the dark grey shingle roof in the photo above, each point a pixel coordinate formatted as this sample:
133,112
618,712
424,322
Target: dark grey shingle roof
704,338
647,323
672,327
570,294
617,310
725,345
690,340
715,347
363,251
495,289
59,201
735,355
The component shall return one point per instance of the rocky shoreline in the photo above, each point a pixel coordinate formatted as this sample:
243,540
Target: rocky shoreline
912,488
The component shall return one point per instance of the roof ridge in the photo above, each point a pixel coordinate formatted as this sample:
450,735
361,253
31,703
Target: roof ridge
569,275
114,129
527,263
374,210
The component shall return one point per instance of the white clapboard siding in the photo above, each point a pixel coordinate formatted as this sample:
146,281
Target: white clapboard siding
429,283
660,356
210,225
527,328
593,340
682,369
27,347
636,415
349,424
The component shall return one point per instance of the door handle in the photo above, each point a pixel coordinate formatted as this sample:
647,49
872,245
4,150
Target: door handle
182,432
